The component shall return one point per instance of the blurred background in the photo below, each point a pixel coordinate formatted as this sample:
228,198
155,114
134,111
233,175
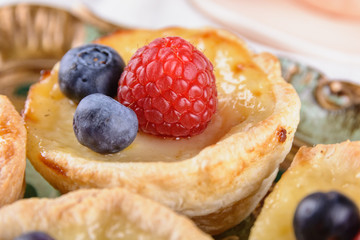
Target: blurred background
322,33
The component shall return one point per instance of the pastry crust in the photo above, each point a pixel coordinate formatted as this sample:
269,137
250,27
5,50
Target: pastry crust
97,214
219,185
12,153
321,168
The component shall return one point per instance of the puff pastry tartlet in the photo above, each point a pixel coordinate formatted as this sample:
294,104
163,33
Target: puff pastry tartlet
216,178
323,168
96,214
12,153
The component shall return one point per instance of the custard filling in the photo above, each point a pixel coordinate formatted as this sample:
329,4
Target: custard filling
245,97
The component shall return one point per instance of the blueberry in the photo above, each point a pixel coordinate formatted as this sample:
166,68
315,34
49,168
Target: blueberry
34,236
323,216
103,124
88,69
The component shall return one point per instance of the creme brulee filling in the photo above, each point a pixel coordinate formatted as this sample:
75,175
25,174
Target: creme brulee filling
244,97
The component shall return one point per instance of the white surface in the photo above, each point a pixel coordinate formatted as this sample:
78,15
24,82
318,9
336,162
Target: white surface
331,43
149,13
289,25
163,13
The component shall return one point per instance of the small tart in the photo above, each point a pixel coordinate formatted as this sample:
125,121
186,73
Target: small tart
96,214
12,153
321,168
216,178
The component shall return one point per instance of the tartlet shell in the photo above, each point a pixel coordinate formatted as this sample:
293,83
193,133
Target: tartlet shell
217,188
324,168
89,210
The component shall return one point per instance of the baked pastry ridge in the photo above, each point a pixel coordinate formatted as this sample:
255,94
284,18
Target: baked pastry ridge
12,153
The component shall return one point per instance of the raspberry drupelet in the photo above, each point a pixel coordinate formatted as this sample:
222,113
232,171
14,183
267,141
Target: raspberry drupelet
171,87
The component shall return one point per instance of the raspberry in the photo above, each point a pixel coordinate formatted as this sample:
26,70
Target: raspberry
170,85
